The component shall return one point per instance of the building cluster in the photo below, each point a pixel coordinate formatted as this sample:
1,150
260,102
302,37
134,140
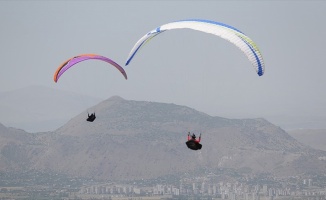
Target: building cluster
221,190
109,189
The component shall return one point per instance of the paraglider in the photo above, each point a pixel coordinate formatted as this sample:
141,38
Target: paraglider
74,60
193,143
233,35
91,117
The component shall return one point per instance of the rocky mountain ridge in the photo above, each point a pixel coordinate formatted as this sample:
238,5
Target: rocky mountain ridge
138,139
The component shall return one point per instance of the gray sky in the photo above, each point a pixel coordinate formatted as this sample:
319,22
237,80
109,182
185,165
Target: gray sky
184,67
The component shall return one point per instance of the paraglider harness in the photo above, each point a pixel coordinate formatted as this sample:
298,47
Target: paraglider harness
192,143
91,117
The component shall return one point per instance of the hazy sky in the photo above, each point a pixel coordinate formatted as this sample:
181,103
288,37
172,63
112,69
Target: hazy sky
184,67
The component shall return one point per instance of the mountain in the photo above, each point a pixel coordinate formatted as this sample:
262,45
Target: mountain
13,148
38,109
142,140
314,138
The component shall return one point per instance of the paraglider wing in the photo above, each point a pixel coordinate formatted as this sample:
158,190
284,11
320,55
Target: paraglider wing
191,144
72,61
233,35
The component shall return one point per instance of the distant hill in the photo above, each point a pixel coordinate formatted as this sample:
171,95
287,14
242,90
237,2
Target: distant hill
315,138
137,139
37,108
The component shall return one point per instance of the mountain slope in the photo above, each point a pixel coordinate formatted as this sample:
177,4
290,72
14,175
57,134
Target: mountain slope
315,138
135,139
14,149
